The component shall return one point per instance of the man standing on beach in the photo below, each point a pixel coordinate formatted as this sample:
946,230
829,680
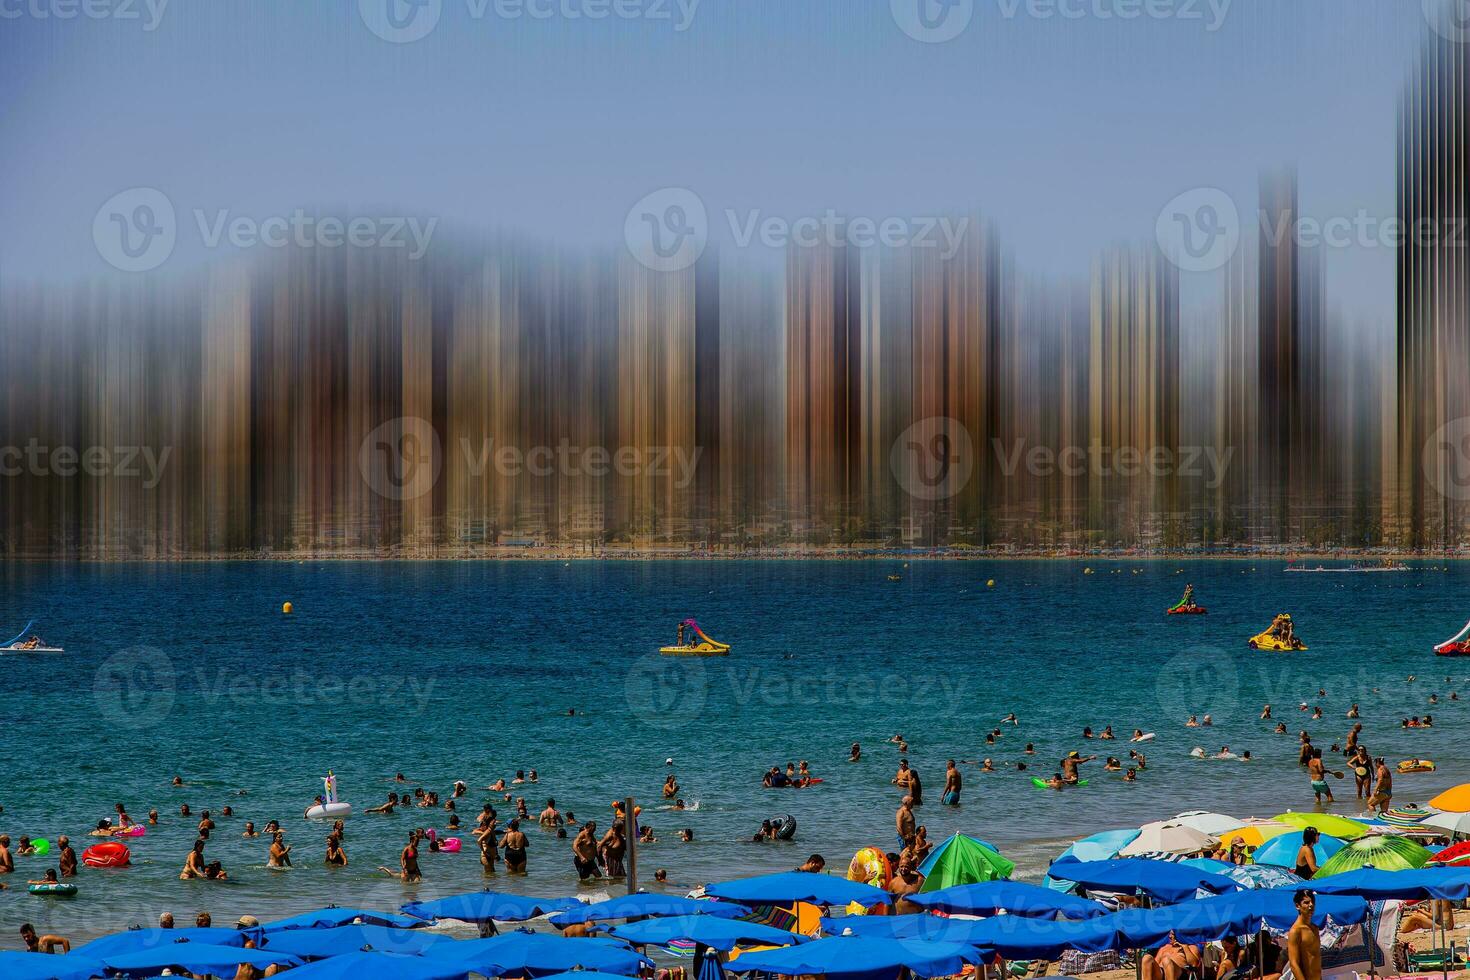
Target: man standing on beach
584,851
1304,942
951,795
905,820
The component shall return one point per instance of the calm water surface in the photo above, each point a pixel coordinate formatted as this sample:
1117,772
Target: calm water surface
467,670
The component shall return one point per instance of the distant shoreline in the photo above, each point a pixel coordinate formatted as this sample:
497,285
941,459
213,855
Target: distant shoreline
556,553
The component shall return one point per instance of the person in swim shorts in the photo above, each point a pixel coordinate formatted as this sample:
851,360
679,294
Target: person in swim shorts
951,795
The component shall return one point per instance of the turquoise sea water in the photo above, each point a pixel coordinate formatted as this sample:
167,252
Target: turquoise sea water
466,670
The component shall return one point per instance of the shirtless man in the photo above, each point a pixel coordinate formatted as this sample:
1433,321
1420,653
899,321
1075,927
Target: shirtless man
66,857
1318,773
1304,942
905,882
905,822
513,846
904,774
584,851
1070,764
549,817
951,794
7,862
43,944
386,806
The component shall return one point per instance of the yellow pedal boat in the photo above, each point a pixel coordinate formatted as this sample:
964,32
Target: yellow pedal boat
695,643
1278,637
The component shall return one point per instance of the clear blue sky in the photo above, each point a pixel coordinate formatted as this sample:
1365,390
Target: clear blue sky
1069,131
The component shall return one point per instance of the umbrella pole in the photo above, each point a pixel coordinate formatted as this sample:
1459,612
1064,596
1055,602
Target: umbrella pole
630,833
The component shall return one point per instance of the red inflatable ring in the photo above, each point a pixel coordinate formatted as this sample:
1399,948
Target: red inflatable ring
107,855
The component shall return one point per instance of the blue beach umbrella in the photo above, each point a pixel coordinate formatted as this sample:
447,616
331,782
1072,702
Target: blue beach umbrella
860,954
315,944
332,916
381,966
134,940
1099,847
516,953
788,887
644,904
1013,936
1236,914
488,907
1163,880
1014,897
1377,885
1282,851
195,958
583,975
710,969
721,934
30,966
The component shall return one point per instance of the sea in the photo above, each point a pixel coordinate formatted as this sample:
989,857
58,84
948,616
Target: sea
474,670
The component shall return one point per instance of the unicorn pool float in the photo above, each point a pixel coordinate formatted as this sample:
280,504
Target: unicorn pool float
328,806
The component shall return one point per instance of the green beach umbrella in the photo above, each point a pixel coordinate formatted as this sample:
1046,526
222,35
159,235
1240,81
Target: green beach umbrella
1386,853
963,860
1327,823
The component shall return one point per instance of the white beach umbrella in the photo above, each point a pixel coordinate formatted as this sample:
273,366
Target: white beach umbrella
1455,823
1207,822
1168,837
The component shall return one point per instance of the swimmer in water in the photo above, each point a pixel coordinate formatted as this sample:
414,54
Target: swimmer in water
336,857
280,855
855,753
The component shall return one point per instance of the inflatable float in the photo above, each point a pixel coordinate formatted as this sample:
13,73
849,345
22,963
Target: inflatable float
1416,765
871,867
1455,646
449,845
136,830
784,826
1186,610
327,806
1278,636
108,855
685,646
1040,783
58,890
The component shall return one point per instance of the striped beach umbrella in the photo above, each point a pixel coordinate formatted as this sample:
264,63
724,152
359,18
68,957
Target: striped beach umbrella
1405,816
1455,824
1381,852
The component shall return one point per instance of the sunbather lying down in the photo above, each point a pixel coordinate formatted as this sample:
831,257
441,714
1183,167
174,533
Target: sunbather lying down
1428,915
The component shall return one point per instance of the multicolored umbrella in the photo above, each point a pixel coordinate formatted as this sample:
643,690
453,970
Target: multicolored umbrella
1255,876
1456,799
1327,823
1405,816
963,860
1381,852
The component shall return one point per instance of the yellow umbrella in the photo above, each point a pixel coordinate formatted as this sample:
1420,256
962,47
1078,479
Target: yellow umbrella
1256,832
1456,799
1327,823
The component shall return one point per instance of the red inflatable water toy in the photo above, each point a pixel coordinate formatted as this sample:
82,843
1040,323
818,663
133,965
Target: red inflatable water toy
108,855
1186,611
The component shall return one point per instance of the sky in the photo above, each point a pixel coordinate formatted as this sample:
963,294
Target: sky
1067,123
